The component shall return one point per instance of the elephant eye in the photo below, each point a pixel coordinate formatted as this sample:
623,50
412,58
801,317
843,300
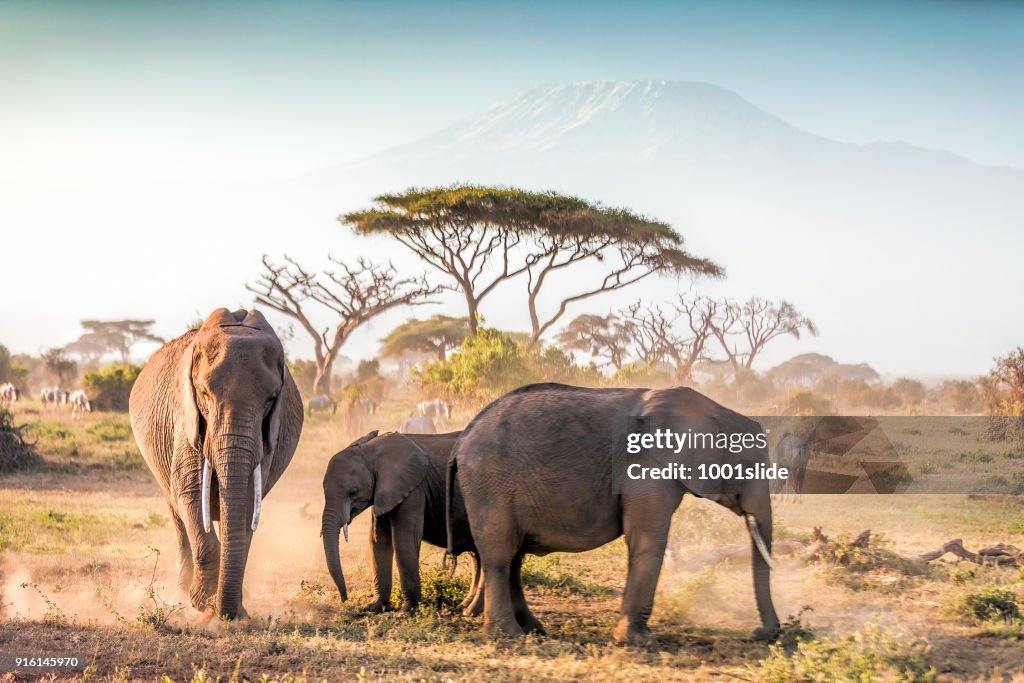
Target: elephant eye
353,491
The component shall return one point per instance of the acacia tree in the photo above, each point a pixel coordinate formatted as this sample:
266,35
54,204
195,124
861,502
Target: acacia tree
353,294
438,335
111,336
480,237
604,337
744,330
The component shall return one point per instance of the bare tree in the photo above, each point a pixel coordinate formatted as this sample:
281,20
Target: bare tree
744,330
354,294
659,336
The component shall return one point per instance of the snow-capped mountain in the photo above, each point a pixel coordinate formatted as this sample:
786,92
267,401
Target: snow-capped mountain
866,239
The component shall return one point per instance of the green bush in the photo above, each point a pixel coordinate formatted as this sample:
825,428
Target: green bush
990,604
640,375
868,655
483,368
109,387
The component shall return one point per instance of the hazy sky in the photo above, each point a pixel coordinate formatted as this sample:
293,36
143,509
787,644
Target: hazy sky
141,91
98,99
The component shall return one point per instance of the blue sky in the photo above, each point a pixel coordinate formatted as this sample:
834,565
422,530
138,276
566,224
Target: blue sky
139,91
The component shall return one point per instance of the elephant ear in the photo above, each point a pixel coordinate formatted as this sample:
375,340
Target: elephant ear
192,420
281,430
401,467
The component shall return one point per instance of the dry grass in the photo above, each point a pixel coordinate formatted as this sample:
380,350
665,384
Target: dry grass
79,541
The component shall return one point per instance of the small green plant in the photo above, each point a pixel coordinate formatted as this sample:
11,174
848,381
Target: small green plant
794,631
963,574
156,614
54,615
548,573
868,655
439,589
990,604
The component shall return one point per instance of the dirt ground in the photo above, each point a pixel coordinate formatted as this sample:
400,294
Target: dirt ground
87,567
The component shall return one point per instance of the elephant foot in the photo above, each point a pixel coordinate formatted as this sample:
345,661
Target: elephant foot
376,607
503,627
408,608
530,624
628,631
766,633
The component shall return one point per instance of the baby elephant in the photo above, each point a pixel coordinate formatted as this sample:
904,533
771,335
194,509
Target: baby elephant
403,477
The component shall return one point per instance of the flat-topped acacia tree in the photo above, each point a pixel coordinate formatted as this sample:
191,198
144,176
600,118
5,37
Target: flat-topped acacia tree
482,236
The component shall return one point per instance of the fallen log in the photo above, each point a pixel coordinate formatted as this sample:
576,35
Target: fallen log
999,555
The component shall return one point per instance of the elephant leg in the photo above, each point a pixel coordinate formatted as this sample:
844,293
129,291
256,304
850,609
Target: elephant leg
382,558
498,546
205,546
407,532
525,618
645,521
185,566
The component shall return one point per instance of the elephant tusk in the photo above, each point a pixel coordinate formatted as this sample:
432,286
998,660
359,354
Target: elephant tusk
762,547
257,495
344,532
205,503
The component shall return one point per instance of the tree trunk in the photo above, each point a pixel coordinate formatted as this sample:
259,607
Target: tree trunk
322,383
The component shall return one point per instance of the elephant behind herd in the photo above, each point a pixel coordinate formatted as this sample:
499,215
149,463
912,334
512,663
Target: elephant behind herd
217,417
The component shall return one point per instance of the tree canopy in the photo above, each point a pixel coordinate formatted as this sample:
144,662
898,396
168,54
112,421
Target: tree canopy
102,337
482,236
436,335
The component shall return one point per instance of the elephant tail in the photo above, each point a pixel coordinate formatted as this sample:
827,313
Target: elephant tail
449,504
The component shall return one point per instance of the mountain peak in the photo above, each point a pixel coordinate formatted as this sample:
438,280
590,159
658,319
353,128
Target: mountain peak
628,117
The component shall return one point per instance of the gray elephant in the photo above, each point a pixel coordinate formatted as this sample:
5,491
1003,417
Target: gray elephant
540,470
217,417
403,478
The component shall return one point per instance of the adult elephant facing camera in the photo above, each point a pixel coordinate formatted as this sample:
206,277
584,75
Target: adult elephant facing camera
539,472
217,417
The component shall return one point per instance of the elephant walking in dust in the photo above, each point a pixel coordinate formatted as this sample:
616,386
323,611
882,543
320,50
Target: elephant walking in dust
217,417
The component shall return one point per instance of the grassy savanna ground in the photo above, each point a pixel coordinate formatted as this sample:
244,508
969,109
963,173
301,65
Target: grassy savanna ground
88,567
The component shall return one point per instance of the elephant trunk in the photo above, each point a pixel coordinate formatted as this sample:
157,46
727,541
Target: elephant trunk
234,464
759,523
330,527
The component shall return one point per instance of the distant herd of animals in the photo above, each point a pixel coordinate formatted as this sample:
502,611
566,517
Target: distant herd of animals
49,397
217,417
429,417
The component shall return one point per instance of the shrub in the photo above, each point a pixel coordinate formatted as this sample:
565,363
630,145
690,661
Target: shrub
15,453
483,368
803,402
110,386
865,656
990,604
641,375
